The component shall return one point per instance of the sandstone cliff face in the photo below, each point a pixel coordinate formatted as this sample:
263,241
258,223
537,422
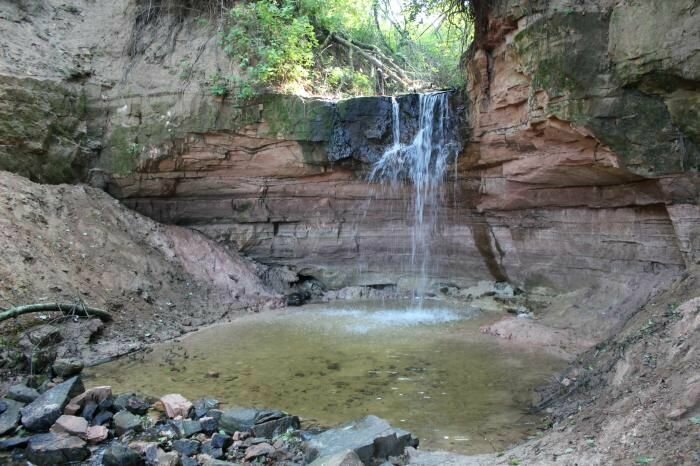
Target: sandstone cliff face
579,170
580,115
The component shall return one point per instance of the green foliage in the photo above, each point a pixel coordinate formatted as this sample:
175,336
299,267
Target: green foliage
288,44
345,80
222,86
124,154
186,69
273,44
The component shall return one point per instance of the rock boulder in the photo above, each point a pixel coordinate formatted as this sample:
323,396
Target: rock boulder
52,448
41,413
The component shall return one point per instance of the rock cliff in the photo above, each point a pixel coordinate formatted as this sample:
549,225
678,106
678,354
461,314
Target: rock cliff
578,174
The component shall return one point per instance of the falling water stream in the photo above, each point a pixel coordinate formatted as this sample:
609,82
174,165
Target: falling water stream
425,368
422,164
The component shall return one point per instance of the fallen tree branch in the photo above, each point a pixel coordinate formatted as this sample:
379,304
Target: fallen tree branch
393,72
67,309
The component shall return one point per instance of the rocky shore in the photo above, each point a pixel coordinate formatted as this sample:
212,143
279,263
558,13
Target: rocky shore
66,423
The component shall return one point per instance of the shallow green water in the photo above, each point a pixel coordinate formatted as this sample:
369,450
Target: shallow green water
429,371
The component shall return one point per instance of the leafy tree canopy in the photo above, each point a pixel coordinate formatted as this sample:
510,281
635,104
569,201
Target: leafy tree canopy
344,47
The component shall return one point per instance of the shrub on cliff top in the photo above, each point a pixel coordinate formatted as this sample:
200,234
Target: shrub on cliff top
273,44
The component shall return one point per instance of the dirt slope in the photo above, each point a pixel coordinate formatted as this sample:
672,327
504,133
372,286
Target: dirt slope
632,399
67,243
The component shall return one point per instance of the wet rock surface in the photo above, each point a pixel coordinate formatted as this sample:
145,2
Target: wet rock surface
51,448
370,438
41,413
22,393
254,436
119,454
10,416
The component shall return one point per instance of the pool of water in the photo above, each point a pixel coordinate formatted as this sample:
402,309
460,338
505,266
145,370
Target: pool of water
428,370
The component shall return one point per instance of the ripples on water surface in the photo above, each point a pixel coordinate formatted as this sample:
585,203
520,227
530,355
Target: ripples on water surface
427,370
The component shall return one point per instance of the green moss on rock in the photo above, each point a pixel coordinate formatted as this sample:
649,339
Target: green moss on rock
566,55
297,118
41,130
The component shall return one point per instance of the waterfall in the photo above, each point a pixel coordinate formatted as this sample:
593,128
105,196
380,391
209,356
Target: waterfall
422,164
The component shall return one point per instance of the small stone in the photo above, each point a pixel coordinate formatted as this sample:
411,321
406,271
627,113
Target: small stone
170,458
268,415
221,441
97,394
209,424
238,419
213,374
40,337
148,450
107,403
119,454
124,421
176,405
22,393
186,447
261,449
89,410
71,409
187,461
67,367
215,413
9,419
211,450
345,458
186,427
137,406
121,400
72,425
102,418
52,448
202,407
13,442
276,427
96,434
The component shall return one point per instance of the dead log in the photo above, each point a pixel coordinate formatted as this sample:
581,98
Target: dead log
67,309
388,67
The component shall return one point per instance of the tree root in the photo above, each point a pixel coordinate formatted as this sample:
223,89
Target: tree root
376,58
68,309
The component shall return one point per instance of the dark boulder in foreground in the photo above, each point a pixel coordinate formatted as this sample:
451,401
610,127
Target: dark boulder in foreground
51,448
22,393
119,454
238,419
232,436
370,437
40,414
10,416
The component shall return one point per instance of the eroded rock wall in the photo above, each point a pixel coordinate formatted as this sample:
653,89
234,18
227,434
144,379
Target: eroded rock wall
579,168
587,164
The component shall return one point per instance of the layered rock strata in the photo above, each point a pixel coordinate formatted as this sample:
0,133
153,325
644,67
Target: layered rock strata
579,170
